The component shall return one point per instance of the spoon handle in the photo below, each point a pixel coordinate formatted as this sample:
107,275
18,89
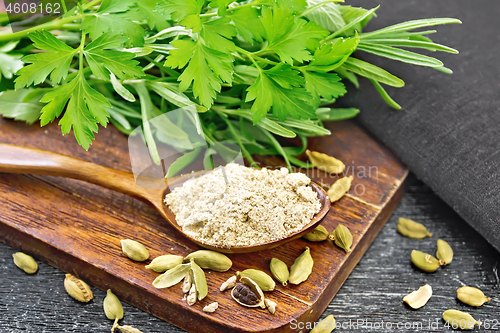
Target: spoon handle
16,159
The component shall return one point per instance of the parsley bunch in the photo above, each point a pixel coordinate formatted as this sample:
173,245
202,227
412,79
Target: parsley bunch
254,70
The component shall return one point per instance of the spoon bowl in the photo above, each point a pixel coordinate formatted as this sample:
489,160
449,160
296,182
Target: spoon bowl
16,159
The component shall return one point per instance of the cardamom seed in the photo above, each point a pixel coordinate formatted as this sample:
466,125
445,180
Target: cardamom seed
444,252
191,299
211,307
418,298
301,268
327,325
230,283
211,260
459,319
199,280
425,261
343,237
472,296
163,263
128,329
112,306
271,306
265,282
188,282
172,277
134,250
339,188
412,229
248,293
25,262
325,162
280,271
319,234
78,289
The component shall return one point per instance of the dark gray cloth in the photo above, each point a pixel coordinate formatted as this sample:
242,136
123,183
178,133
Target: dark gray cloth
448,131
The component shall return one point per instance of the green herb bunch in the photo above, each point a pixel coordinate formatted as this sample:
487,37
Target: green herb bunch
253,69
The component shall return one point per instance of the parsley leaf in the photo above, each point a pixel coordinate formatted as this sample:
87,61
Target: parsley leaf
101,60
115,6
289,36
206,70
326,85
155,18
247,23
277,87
186,12
55,61
9,63
217,34
221,5
118,23
328,16
20,105
86,109
333,54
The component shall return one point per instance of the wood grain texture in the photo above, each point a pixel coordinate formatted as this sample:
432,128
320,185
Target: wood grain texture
77,227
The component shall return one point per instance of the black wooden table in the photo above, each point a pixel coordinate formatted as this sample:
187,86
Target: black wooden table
369,301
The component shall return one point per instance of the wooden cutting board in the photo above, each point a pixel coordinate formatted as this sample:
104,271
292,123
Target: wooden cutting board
77,228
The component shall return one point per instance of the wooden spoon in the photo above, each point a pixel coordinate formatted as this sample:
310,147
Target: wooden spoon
16,159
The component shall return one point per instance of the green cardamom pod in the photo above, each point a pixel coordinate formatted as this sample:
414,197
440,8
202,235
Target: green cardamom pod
472,296
280,271
444,252
342,237
211,260
265,282
172,277
458,319
325,162
112,306
301,268
134,250
128,329
25,262
78,289
319,234
327,325
339,188
162,264
425,261
412,229
199,280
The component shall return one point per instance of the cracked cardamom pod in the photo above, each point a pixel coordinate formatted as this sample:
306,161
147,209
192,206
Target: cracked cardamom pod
339,188
301,268
265,282
342,237
424,261
78,289
280,271
199,280
319,234
211,307
230,283
211,260
419,298
459,319
188,282
134,250
412,229
472,296
325,162
248,293
271,305
444,252
163,263
327,325
172,276
112,306
25,262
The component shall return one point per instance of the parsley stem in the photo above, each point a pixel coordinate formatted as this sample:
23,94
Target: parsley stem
278,147
52,25
80,49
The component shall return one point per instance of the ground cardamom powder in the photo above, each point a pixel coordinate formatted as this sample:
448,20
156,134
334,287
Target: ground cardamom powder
235,205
